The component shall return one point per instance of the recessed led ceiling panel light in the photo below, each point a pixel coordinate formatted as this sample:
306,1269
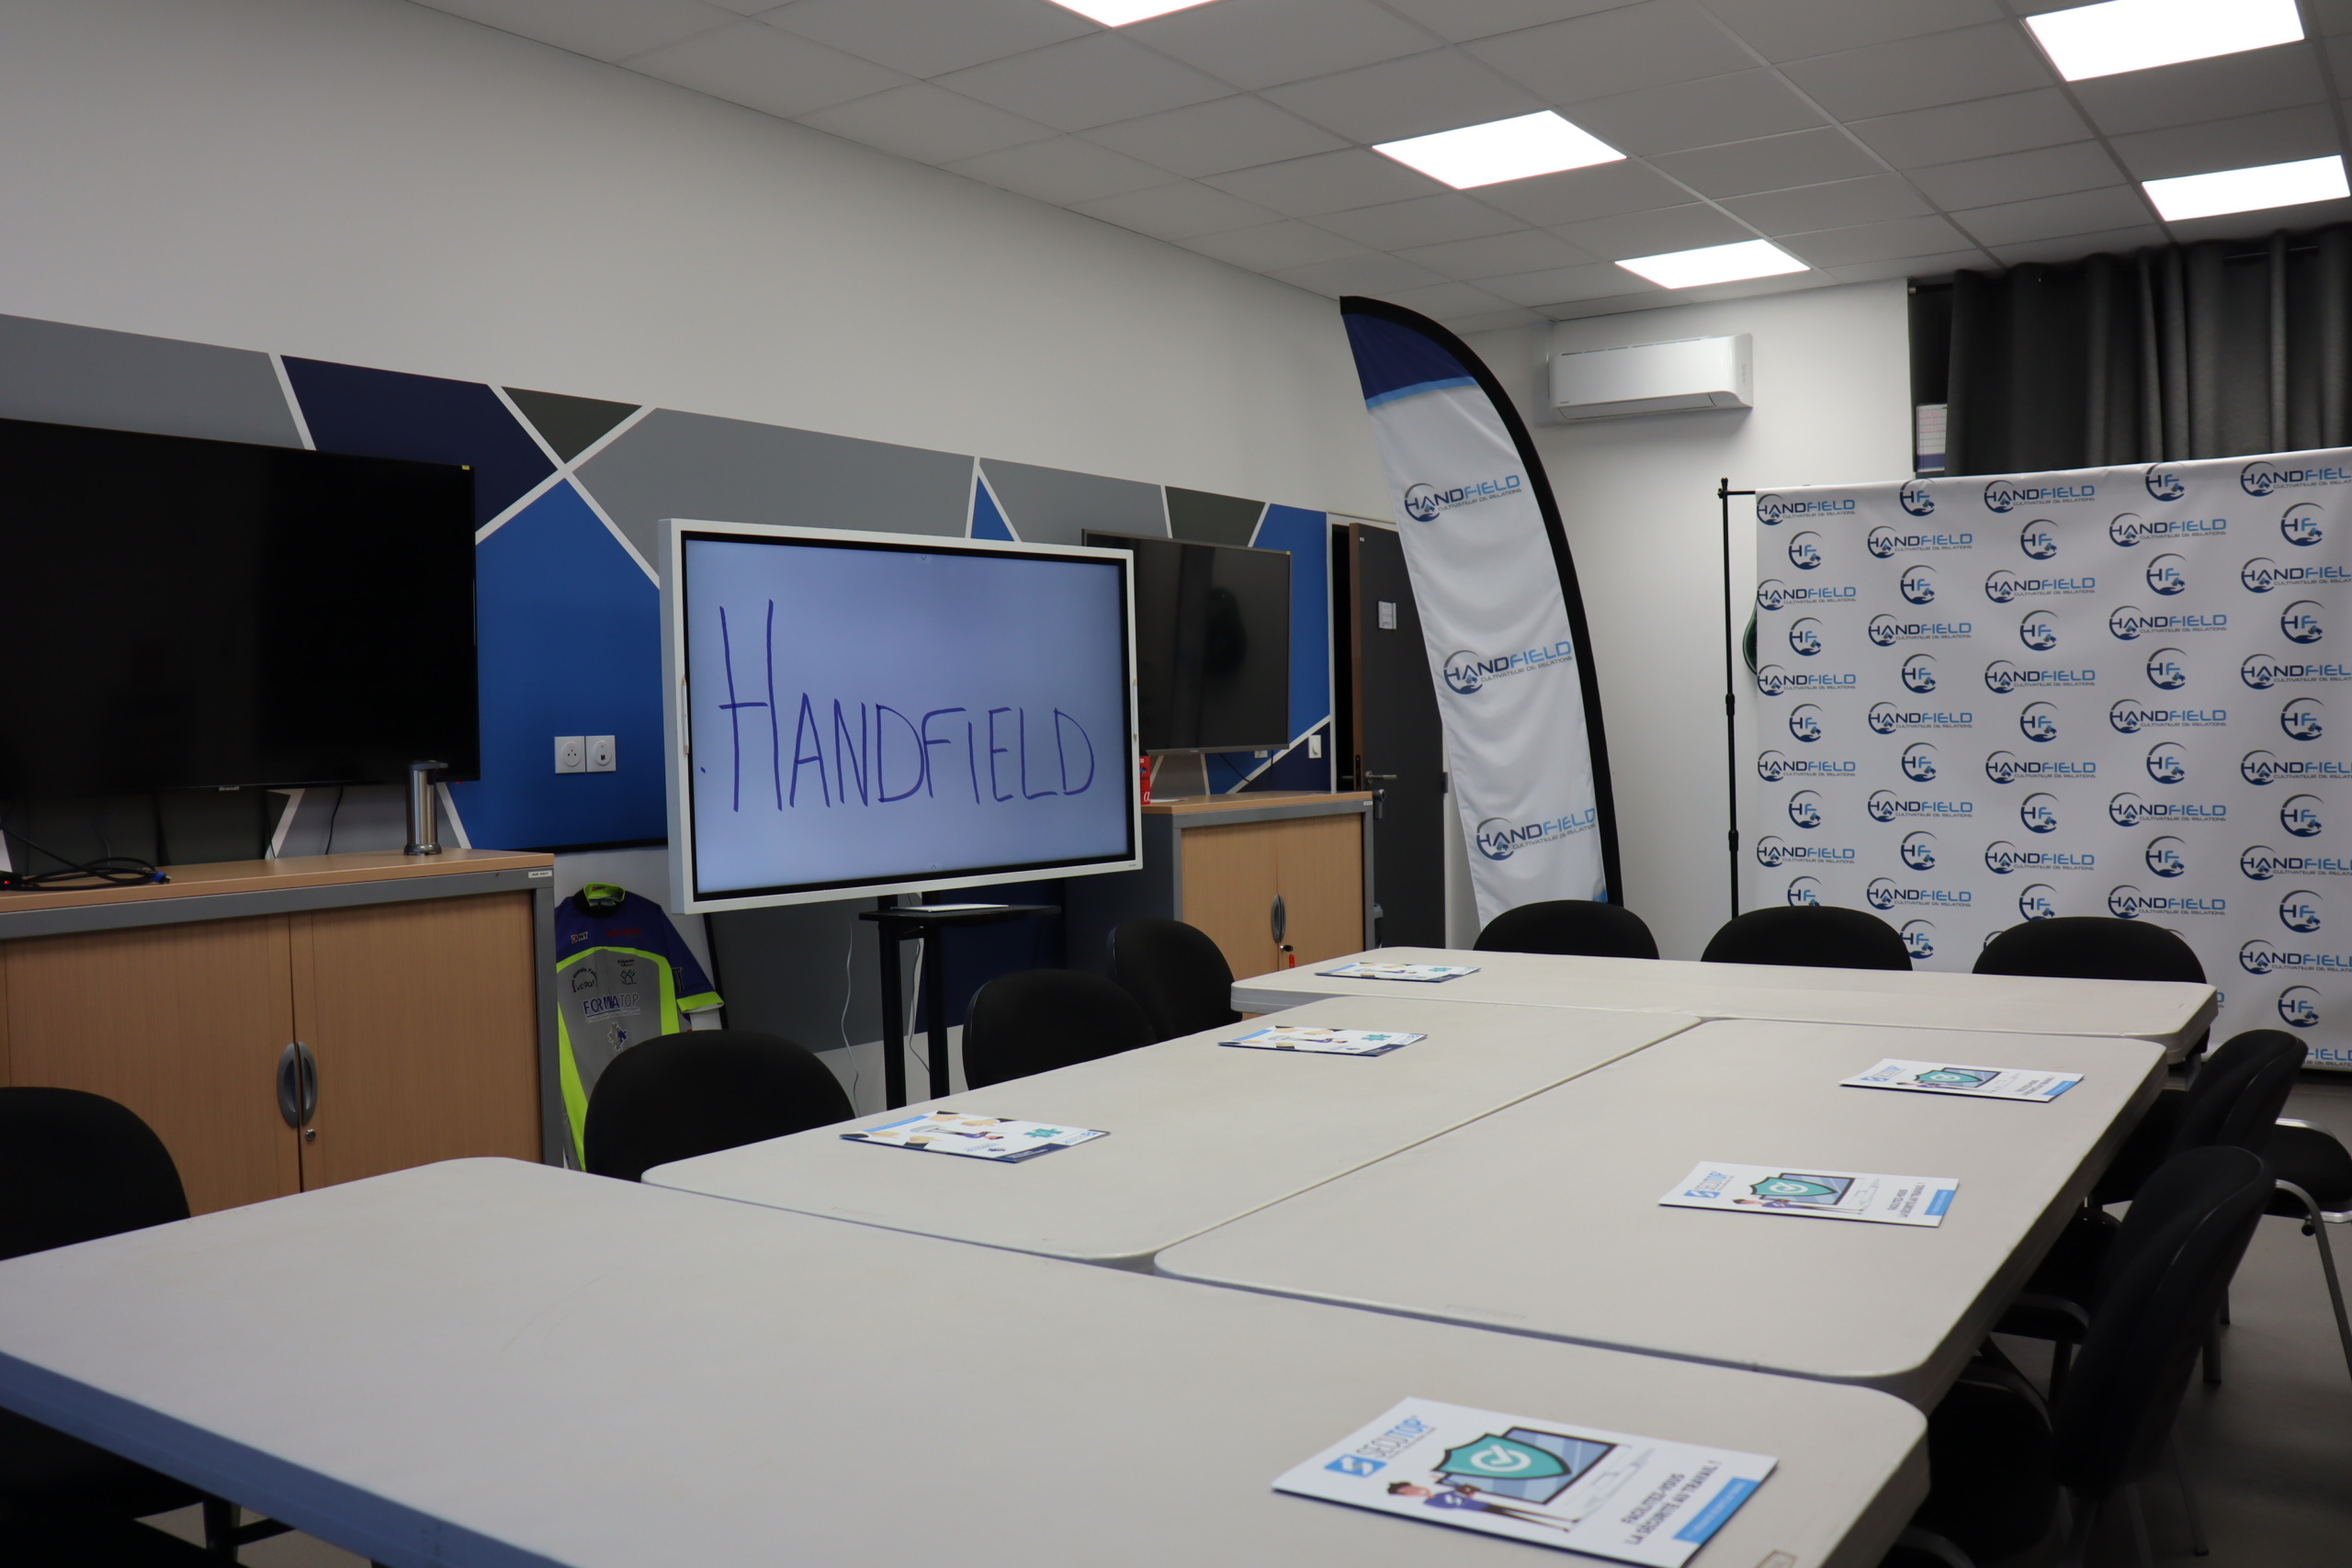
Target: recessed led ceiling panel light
1119,13
2247,190
1518,148
2136,34
1714,264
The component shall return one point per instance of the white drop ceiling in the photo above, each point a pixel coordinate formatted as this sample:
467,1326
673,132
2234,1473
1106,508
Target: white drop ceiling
1871,139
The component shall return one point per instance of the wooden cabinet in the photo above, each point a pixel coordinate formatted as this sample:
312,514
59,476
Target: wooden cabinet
416,987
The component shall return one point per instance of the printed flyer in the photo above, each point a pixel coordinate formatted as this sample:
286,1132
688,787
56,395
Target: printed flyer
975,1137
1325,1042
1428,973
1822,1194
1978,1083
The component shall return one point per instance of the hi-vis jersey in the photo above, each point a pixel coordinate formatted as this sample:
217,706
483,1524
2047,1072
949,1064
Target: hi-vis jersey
623,975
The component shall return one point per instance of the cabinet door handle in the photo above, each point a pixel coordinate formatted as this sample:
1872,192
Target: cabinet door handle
298,1084
1281,918
309,1082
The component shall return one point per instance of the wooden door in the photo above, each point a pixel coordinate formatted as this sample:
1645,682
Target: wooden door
1230,879
423,1018
1320,873
182,1023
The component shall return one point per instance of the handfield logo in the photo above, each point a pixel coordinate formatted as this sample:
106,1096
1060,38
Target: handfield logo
1919,674
2168,575
2165,482
2301,911
1886,631
1919,851
2166,856
1770,508
2005,677
2300,621
1884,542
2128,811
1805,636
2128,903
1885,719
2039,813
2007,767
1772,767
2005,585
2302,524
2264,671
2038,722
2002,857
1772,681
1919,940
2259,479
1917,583
1885,805
2264,767
1805,809
2260,957
2038,539
1804,551
2129,717
1466,670
1805,722
2167,669
1920,763
2262,574
2128,528
2299,814
2037,901
1884,893
2167,763
2260,863
2129,622
1771,852
1805,890
2003,495
2298,1007
2300,719
1774,594
1499,839
2039,630
1423,503
1915,499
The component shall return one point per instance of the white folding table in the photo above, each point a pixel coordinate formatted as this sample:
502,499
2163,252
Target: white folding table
1544,1219
2171,1013
1199,1133
486,1364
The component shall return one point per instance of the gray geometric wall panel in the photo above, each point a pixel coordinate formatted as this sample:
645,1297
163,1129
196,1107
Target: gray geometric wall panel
69,374
1213,519
1053,506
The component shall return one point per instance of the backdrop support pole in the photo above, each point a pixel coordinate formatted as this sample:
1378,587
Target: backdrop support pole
1724,492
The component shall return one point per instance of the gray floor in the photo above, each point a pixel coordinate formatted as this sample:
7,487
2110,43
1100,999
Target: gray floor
2269,1447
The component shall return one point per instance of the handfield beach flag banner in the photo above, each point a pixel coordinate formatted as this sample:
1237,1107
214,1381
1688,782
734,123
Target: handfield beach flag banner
2119,692
1500,617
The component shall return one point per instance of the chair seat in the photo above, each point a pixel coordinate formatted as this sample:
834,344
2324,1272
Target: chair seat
2312,1160
44,1471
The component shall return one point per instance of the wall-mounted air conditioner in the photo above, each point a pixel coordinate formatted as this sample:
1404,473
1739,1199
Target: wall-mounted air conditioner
1653,378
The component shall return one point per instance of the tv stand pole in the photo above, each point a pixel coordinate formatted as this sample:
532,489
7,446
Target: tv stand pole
927,923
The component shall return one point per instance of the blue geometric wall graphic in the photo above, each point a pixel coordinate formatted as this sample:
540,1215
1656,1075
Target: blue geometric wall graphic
988,518
571,645
388,414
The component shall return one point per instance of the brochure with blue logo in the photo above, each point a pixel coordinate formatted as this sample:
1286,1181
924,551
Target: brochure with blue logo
974,1137
1980,1083
1822,1194
1632,1499
1428,973
1325,1042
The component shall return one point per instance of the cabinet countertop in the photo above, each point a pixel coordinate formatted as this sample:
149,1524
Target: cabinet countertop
271,875
1202,804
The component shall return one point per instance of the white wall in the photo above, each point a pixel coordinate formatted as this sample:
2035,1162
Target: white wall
1639,499
377,183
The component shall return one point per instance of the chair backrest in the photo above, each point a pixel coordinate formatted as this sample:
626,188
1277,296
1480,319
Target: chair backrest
1569,925
2238,1093
75,1167
2160,1291
677,1096
1042,1019
1818,935
1176,975
2090,947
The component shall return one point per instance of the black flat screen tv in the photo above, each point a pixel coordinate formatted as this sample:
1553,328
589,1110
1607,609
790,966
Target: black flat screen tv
209,615
1212,644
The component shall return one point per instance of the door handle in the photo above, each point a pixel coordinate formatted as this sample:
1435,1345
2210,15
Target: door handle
298,1085
1281,922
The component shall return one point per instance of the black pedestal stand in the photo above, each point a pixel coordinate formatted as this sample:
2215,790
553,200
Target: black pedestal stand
908,922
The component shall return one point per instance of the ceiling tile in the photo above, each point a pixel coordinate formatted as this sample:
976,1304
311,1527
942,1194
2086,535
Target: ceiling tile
1833,206
2256,225
1654,234
1428,221
1258,43
927,38
2339,61
926,123
1216,137
2015,177
1175,212
1917,73
1085,83
2307,130
2050,217
1771,162
2203,89
1795,29
1357,275
1406,97
1560,284
1913,266
1650,45
608,29
760,68
1736,108
1062,171
1876,242
2075,247
1266,246
1446,302
2329,17
1981,129
1461,19
1329,182
1570,197
1656,299
1496,255
1497,321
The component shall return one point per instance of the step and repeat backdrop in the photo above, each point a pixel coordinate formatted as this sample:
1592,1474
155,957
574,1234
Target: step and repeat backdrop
2116,691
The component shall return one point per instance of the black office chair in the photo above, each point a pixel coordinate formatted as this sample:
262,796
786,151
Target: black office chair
2008,1470
2094,947
1176,975
1809,935
677,1096
1575,926
1042,1019
2313,1173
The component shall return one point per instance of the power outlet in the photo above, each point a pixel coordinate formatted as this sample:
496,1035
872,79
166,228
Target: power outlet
1315,744
601,758
570,753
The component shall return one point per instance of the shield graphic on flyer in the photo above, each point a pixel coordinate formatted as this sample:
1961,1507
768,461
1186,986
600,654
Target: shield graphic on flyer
1501,1459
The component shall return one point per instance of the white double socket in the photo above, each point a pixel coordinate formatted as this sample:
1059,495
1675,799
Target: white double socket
586,754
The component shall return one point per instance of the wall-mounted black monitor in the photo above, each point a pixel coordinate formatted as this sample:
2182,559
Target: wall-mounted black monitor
1212,644
189,614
